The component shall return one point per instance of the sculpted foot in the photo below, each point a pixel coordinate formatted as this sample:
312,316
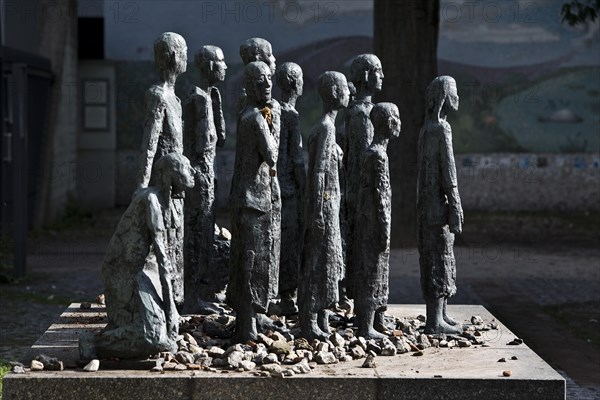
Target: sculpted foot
310,328
370,333
245,327
447,318
316,333
450,321
206,308
364,322
287,304
323,321
378,322
441,327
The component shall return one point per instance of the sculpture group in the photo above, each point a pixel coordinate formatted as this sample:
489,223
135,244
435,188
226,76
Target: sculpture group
311,235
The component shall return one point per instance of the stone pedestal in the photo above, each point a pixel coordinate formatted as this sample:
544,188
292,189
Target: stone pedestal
440,373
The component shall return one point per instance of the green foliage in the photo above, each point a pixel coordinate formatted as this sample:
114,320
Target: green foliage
577,12
4,369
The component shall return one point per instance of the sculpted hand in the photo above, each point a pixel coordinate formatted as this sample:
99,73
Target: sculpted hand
456,219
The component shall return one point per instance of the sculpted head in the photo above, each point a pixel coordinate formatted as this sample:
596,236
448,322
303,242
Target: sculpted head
333,89
441,96
352,89
170,53
257,82
210,60
258,49
386,119
366,73
289,78
175,172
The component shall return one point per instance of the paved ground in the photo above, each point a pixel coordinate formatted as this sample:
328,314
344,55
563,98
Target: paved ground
542,280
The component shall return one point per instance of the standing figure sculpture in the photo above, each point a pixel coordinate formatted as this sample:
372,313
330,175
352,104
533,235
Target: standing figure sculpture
322,261
374,219
292,180
204,127
439,211
253,278
140,307
367,76
163,135
258,49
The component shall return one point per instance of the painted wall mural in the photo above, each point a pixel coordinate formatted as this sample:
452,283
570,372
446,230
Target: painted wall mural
527,82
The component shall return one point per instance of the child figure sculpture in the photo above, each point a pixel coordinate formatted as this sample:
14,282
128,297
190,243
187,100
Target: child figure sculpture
439,211
204,131
374,219
322,262
292,180
163,135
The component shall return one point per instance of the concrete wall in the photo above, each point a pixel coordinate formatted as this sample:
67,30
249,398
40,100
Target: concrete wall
498,182
96,146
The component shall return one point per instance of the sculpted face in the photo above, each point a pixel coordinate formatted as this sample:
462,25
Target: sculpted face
375,78
452,96
180,58
299,83
183,177
394,123
344,94
259,84
266,56
218,66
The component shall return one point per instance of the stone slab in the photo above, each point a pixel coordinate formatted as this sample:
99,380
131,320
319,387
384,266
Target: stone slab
441,373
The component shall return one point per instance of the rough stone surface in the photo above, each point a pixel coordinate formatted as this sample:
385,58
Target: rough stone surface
140,301
474,372
292,180
255,204
204,130
439,210
374,217
322,261
50,363
36,365
367,76
163,134
92,366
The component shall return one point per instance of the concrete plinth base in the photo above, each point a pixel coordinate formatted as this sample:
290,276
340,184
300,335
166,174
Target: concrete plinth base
440,373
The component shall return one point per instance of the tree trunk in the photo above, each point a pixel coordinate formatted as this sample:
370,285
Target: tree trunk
406,37
58,42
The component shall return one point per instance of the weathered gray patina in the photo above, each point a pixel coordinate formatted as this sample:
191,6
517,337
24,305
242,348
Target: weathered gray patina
374,219
142,317
292,181
439,211
367,76
322,262
204,130
163,135
253,276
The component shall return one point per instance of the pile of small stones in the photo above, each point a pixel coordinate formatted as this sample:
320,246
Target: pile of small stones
279,351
